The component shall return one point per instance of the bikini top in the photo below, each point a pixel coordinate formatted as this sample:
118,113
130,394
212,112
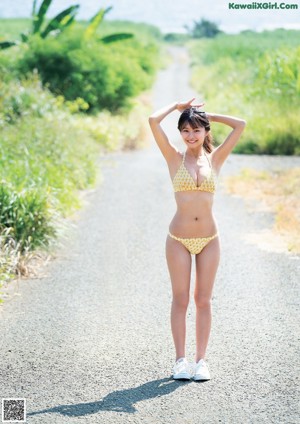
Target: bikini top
183,181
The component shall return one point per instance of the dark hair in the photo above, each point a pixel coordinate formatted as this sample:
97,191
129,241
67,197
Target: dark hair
196,118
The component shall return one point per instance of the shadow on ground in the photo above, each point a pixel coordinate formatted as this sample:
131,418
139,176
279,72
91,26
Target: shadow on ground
119,400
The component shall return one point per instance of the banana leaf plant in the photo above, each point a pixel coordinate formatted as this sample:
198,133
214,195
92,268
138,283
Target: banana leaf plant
56,25
96,20
62,21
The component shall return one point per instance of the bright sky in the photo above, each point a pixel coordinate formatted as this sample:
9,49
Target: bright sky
172,15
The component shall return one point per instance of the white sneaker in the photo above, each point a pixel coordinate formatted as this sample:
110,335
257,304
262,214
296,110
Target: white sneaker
201,371
181,370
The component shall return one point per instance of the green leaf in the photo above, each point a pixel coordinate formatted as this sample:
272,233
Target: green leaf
24,37
39,18
95,22
61,21
7,44
116,37
33,13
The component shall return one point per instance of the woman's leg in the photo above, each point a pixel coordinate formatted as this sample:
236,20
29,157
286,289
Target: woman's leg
179,264
206,268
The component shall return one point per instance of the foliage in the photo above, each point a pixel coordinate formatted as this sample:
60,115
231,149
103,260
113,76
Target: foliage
9,257
26,214
48,153
11,28
56,25
279,74
49,148
105,77
204,29
43,161
91,29
256,76
9,63
247,47
145,33
94,23
61,22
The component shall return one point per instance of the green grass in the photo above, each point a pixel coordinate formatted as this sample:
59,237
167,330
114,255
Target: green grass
245,47
255,76
12,28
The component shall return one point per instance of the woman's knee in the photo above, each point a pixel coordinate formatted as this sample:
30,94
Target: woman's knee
180,301
202,302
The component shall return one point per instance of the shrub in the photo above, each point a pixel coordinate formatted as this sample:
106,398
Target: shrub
48,154
9,63
105,76
26,214
49,151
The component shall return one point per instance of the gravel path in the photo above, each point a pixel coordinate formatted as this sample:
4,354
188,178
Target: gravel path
91,341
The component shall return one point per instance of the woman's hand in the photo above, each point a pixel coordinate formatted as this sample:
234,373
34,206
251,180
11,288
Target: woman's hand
181,106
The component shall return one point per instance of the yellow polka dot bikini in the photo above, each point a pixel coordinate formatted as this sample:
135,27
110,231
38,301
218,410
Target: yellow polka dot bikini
183,181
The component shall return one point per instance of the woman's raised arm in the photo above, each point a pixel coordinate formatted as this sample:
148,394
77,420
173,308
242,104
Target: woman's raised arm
160,136
167,148
220,154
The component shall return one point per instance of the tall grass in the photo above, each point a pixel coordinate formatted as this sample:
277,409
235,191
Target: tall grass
44,160
12,27
257,76
49,152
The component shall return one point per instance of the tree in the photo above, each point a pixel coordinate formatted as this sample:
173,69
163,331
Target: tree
204,29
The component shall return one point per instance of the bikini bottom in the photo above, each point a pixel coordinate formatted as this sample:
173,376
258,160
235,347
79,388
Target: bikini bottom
194,245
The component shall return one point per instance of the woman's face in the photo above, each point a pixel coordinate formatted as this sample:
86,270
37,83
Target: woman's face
193,137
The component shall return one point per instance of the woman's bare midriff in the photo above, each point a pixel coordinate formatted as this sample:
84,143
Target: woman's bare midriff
194,217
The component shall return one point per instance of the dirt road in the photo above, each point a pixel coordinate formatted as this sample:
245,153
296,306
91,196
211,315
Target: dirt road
91,342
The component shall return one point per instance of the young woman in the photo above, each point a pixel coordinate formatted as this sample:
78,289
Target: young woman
193,230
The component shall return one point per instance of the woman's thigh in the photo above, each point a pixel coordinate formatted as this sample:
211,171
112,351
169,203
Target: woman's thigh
179,264
207,263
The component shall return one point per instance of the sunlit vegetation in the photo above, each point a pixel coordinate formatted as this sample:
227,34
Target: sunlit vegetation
54,125
256,76
54,27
